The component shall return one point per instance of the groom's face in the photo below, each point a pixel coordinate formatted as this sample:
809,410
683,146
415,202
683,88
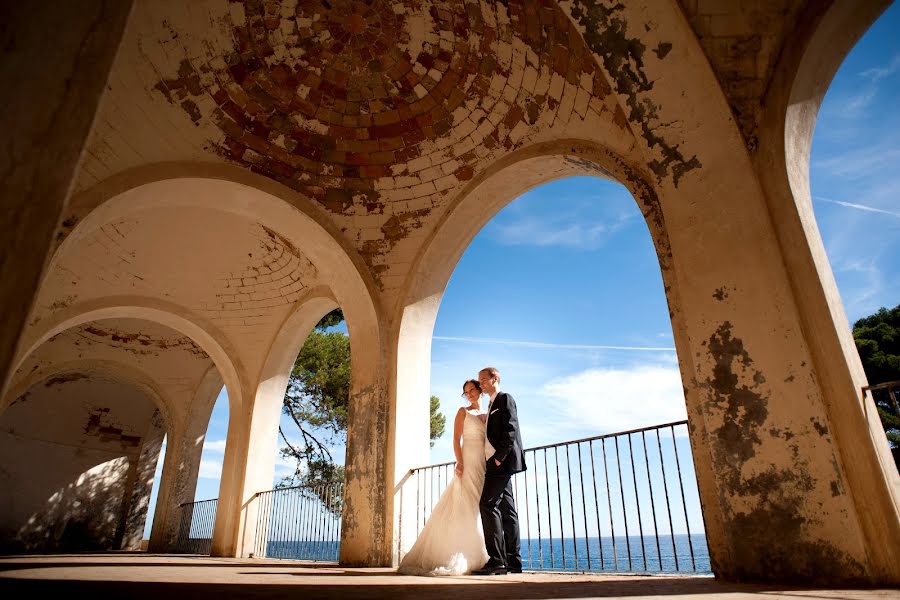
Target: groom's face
488,383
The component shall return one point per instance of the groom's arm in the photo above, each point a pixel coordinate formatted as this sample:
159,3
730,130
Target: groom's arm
510,429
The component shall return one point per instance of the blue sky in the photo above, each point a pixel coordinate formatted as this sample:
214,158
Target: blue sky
582,336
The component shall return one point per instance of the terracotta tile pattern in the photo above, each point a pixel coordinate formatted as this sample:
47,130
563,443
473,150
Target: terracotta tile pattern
384,108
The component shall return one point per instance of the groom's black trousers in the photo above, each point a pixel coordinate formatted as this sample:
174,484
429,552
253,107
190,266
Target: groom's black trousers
500,520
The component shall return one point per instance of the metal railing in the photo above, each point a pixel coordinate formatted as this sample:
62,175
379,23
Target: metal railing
883,391
885,396
195,526
619,502
300,523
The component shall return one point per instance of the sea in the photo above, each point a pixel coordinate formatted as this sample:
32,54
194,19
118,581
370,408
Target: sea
666,554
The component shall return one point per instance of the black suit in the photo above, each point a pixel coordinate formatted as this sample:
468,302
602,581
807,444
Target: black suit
498,507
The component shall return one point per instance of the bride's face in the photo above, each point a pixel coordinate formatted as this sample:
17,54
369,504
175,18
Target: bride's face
471,392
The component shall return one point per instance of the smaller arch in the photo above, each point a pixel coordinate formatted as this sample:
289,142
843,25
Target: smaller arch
112,369
270,392
509,178
308,310
174,316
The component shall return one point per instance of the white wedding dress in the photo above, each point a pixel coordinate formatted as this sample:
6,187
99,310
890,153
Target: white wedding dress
452,541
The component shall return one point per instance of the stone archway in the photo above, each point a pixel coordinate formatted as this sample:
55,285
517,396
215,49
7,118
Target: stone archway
477,204
801,79
100,423
295,228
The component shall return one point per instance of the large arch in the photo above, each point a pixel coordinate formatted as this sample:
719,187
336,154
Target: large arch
301,224
802,77
474,207
270,391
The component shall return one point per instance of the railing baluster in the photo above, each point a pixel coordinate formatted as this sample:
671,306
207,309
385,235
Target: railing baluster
683,503
596,504
527,519
587,538
622,493
549,513
537,510
612,527
562,529
662,467
571,506
638,501
652,502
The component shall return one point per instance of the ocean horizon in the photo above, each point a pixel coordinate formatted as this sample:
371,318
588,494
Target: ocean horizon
678,554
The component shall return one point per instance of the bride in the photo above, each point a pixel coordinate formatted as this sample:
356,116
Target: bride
452,541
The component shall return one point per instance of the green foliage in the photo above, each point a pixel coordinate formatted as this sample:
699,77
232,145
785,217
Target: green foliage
335,317
878,342
438,421
317,400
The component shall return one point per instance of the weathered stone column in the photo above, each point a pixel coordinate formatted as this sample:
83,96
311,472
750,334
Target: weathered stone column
135,517
178,482
51,92
771,435
177,485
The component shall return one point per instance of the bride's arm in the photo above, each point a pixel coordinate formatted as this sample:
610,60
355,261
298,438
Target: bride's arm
457,435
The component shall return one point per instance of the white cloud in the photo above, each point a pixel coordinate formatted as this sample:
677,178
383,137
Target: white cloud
210,469
214,445
567,231
611,400
876,74
862,163
867,92
862,207
472,340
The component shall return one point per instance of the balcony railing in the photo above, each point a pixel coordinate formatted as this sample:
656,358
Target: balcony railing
195,526
623,502
299,523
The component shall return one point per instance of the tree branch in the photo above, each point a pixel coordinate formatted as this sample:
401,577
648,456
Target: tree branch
306,434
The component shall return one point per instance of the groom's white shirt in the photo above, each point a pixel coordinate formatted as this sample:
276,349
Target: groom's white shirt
489,449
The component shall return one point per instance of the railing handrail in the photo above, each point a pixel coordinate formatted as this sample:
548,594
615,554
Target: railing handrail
298,487
183,504
881,386
579,441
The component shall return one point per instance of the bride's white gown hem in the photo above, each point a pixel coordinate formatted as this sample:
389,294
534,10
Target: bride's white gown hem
452,541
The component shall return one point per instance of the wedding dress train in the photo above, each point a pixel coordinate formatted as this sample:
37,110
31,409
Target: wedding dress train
452,541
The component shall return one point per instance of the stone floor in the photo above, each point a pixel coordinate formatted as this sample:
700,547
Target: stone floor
139,575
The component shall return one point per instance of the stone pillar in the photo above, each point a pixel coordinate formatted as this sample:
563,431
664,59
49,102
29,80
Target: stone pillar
252,460
177,485
184,450
51,92
770,432
142,487
806,67
410,392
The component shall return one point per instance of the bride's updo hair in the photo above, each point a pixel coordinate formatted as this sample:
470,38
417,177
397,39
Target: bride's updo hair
473,382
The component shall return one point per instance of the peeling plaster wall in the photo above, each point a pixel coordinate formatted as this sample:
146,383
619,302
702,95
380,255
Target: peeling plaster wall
240,275
161,361
382,119
69,449
378,113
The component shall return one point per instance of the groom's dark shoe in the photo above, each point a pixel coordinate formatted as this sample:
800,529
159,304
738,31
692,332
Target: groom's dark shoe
491,568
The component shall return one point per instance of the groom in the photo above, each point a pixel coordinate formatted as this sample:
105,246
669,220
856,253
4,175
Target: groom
504,456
